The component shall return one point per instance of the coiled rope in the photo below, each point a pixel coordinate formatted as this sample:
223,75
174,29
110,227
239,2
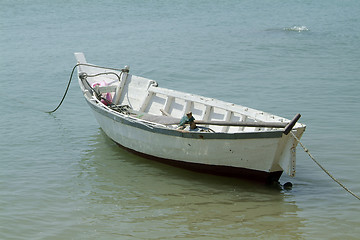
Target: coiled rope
327,172
72,73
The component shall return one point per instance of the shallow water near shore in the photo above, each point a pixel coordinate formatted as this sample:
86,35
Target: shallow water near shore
62,178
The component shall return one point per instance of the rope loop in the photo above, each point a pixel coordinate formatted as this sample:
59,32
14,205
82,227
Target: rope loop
84,75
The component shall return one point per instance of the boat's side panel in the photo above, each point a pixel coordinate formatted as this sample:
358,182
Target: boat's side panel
229,171
251,153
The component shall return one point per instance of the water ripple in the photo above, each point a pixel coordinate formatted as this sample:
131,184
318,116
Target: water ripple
296,28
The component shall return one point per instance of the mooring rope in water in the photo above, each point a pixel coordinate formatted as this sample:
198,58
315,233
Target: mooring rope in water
327,172
72,73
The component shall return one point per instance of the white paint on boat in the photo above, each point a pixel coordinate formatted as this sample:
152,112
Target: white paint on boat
263,149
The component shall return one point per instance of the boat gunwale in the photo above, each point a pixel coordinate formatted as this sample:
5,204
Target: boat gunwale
161,129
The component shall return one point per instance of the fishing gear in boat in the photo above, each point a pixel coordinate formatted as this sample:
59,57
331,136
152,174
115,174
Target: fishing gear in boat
107,100
124,109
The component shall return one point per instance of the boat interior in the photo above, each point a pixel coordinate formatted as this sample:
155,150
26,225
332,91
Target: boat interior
149,102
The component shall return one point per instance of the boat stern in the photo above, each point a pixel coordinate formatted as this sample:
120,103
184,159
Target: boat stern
286,151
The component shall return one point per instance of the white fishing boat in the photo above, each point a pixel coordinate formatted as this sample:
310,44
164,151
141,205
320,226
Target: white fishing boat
226,139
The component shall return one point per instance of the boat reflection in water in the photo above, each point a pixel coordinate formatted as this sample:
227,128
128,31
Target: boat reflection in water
130,196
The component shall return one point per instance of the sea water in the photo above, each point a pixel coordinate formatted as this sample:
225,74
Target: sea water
62,178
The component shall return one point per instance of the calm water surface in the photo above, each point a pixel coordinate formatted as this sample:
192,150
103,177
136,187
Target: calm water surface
62,178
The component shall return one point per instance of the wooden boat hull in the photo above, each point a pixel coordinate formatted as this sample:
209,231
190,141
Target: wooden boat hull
261,154
227,171
252,156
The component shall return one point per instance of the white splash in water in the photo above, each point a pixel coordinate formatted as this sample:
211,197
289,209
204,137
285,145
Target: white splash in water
297,28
